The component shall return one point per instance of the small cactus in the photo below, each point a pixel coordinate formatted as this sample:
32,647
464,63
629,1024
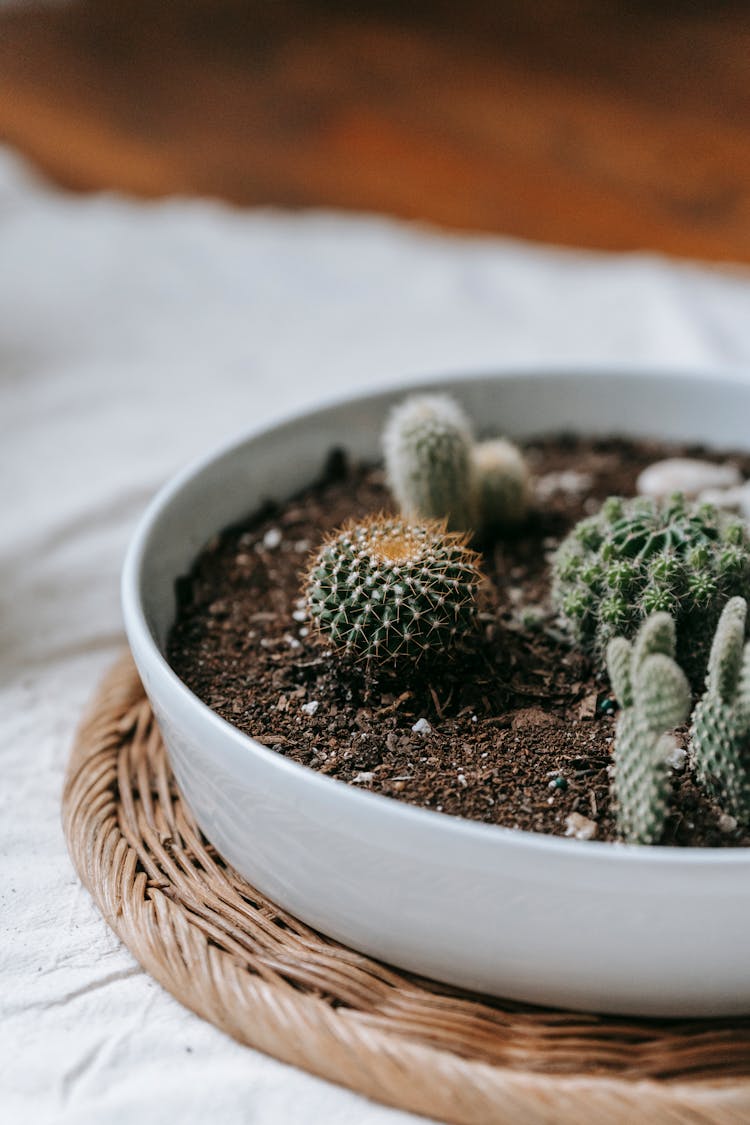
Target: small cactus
720,732
502,484
641,556
654,695
384,592
428,443
436,471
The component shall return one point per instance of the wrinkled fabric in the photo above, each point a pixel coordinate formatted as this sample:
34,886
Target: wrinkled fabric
133,337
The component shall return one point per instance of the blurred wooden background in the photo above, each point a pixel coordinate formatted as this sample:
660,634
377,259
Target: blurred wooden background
603,124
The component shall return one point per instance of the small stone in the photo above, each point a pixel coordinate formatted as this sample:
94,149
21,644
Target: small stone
531,617
558,783
360,778
571,481
422,727
686,475
727,823
607,706
677,756
272,538
311,707
462,781
729,499
580,827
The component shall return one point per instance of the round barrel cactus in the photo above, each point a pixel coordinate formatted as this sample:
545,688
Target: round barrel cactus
386,592
642,556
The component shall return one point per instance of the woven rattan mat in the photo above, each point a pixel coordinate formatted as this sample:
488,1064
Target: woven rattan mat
265,978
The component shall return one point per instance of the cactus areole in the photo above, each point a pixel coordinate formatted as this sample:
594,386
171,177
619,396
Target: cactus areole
638,557
388,593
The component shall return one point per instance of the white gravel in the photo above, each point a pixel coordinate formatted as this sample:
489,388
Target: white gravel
580,827
687,475
272,538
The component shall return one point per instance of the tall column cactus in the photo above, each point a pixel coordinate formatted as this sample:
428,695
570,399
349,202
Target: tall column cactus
720,731
654,695
428,444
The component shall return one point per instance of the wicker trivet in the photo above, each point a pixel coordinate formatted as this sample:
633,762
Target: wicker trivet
268,980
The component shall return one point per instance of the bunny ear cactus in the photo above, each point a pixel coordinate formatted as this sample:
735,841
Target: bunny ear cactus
642,556
387,593
428,444
720,732
435,470
654,695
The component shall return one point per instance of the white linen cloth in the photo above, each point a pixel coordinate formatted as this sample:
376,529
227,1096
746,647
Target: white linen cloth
134,337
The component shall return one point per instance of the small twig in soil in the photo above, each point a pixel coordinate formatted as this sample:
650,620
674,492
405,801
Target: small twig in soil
391,707
436,701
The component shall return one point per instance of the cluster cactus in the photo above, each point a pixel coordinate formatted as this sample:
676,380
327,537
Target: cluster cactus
436,470
637,557
654,695
720,730
388,593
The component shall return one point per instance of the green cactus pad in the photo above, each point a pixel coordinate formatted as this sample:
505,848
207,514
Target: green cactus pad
642,783
654,695
428,443
641,556
385,592
720,732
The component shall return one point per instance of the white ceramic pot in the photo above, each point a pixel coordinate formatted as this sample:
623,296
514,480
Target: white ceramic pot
635,930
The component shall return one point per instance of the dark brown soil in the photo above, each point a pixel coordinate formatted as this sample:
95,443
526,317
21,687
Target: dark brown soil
521,729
